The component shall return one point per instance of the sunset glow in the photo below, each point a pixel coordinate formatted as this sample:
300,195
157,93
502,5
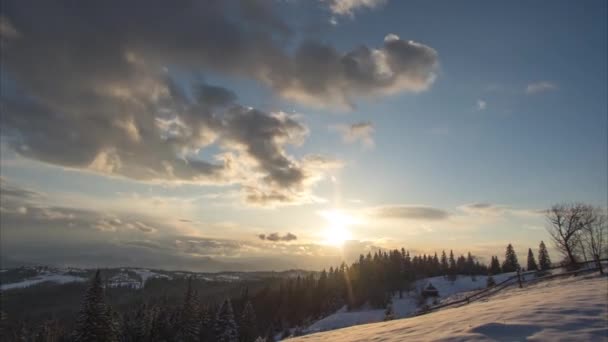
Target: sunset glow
337,226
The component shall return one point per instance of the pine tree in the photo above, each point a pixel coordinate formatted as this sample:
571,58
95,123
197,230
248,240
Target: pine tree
141,324
114,318
470,263
495,265
189,324
95,321
3,318
510,264
452,261
544,262
453,269
207,325
531,261
444,263
248,325
225,327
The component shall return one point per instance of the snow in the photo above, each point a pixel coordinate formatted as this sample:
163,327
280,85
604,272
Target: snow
53,278
124,280
448,291
567,309
147,274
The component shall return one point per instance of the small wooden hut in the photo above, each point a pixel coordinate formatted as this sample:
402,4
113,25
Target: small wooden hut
430,291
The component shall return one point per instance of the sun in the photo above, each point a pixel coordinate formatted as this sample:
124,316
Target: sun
336,231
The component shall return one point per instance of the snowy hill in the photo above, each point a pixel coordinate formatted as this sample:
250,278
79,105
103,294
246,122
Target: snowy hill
131,277
567,309
406,306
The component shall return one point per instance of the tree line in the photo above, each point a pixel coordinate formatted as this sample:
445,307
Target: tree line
277,309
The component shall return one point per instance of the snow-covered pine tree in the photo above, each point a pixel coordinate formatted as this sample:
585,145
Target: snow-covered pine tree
142,324
189,325
226,329
207,324
532,266
94,322
248,329
115,320
162,324
510,264
544,262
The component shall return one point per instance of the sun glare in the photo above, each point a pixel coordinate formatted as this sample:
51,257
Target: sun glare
336,231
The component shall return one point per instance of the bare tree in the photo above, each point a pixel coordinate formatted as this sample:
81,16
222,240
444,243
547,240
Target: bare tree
566,224
594,235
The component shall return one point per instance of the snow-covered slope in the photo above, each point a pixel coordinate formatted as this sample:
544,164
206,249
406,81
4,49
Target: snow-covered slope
567,309
48,277
406,306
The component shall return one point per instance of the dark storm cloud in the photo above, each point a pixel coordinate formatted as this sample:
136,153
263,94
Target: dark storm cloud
275,237
409,212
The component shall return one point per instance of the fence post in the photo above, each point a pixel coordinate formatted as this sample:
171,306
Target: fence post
519,277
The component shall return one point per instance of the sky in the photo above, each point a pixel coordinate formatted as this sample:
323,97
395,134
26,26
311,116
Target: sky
267,135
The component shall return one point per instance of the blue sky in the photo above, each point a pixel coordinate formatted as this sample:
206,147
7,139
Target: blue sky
513,120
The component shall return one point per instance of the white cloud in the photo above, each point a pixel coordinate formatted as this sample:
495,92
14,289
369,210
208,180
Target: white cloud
349,7
481,105
540,87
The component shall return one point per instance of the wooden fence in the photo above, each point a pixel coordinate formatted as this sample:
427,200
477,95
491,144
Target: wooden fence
519,278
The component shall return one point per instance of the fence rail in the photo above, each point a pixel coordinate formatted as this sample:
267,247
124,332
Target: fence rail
520,277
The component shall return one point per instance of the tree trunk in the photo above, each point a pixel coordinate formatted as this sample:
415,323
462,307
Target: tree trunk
570,256
599,263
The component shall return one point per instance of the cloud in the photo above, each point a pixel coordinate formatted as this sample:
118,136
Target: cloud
540,87
408,212
481,105
360,131
101,97
489,209
36,231
348,7
321,76
276,237
16,192
243,38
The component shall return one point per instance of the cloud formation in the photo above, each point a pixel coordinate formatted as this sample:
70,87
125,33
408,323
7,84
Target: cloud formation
101,97
358,132
348,7
490,209
481,105
276,237
408,212
36,230
540,87
319,75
